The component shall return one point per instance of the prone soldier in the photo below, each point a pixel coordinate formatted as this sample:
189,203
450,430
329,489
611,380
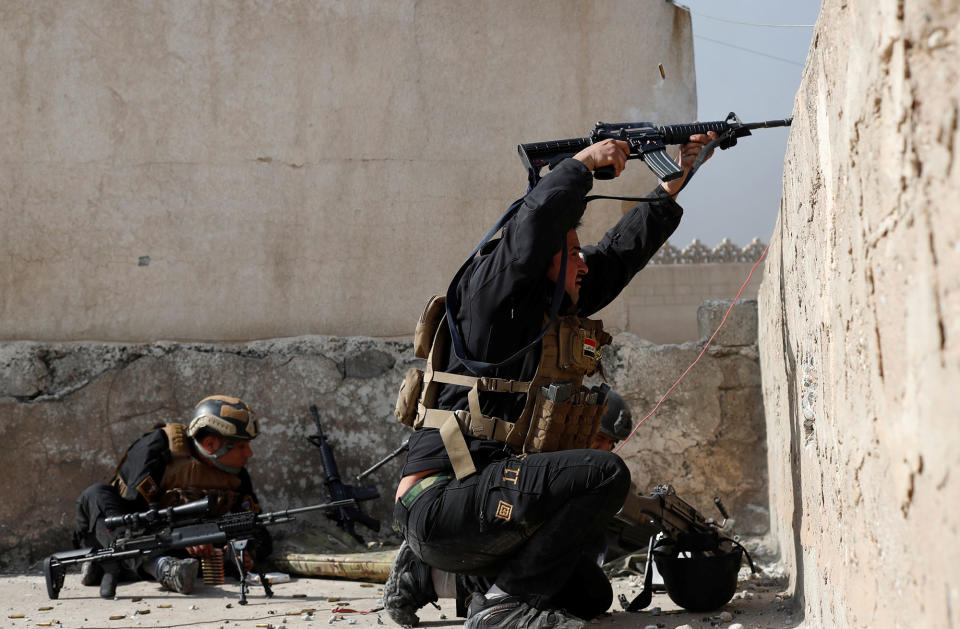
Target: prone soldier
171,465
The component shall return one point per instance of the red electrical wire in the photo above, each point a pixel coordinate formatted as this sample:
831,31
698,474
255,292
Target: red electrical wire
702,352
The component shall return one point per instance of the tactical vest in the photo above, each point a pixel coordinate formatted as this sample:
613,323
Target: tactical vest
560,417
187,478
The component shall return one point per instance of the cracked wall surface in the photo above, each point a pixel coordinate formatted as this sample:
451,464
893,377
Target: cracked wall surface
224,170
68,411
859,325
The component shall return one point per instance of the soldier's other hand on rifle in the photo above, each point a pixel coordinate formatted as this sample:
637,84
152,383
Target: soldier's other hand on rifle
609,152
687,156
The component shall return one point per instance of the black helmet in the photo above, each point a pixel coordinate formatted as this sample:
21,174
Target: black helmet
227,416
617,422
700,582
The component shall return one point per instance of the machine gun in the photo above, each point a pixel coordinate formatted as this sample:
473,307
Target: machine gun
347,515
647,142
699,564
156,531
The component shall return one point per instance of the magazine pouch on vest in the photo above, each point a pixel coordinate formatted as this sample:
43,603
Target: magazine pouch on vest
423,339
559,413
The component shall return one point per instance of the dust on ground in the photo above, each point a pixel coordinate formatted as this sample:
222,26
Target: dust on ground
760,602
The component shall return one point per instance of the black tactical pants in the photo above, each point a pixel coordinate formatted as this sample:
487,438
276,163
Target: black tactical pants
527,523
98,502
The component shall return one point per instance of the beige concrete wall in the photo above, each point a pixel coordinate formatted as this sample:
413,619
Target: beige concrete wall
860,333
661,303
233,170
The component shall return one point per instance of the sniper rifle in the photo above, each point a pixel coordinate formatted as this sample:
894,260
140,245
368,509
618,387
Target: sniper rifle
156,531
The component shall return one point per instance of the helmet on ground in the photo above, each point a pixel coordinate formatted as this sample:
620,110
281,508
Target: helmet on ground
698,581
617,422
227,416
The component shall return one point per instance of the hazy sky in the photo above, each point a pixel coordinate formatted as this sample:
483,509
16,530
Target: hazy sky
754,71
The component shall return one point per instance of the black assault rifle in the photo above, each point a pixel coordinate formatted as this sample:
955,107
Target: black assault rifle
346,515
685,531
647,142
154,532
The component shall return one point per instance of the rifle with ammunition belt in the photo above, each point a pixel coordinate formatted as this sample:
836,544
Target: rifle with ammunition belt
156,531
698,562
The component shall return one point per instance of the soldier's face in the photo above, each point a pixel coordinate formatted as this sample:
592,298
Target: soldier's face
576,267
236,457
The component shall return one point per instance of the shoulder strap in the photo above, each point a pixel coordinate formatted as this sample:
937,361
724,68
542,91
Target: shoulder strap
453,302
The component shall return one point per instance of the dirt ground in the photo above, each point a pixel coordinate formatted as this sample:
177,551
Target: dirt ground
307,602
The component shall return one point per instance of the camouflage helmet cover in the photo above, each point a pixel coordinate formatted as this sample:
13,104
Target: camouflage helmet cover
617,422
227,416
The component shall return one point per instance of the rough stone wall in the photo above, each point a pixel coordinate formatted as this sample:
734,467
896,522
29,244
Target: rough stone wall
68,410
860,334
238,169
708,438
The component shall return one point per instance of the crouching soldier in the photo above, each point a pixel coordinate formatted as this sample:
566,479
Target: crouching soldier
171,465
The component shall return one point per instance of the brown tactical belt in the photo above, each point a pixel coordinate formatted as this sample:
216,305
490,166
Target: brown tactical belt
422,485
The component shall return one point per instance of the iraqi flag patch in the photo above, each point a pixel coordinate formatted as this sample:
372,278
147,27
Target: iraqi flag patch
590,347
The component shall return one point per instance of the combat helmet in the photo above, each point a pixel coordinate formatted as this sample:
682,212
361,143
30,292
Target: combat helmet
617,422
227,416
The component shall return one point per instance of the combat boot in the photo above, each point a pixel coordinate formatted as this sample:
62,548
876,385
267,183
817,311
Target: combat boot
108,583
408,588
511,612
178,575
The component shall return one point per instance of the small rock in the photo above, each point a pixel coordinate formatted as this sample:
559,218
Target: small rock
651,627
735,625
194,607
726,616
684,627
443,616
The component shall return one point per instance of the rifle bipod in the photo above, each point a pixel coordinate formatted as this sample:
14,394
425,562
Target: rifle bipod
237,549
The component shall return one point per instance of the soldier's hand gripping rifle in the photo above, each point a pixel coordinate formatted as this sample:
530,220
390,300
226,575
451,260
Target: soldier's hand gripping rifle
155,532
346,516
685,531
647,142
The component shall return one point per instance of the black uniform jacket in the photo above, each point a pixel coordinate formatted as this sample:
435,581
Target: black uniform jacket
505,294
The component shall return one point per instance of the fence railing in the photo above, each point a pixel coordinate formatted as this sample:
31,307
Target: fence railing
698,253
